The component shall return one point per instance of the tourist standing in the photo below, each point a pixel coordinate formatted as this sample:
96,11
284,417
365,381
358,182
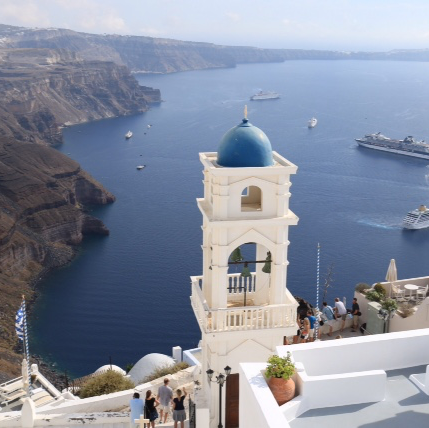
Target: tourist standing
340,312
356,313
179,413
151,402
328,312
165,395
312,321
137,408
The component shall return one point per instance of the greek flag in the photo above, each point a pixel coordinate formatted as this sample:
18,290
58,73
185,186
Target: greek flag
19,322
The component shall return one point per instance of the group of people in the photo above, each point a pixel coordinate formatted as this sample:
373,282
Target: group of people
306,322
339,311
164,400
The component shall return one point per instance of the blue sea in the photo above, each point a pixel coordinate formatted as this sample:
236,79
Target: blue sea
127,294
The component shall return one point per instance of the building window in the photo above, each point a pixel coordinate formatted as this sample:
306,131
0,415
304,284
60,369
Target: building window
251,199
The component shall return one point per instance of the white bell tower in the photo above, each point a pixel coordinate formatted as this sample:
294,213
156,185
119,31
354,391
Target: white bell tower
246,201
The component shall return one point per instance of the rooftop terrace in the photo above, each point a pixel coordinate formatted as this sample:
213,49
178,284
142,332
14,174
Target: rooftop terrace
404,405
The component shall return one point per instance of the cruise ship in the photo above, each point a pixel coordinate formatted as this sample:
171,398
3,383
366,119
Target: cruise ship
417,219
261,95
408,146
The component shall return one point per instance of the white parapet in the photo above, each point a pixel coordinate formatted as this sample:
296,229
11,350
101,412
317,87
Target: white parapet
177,354
421,380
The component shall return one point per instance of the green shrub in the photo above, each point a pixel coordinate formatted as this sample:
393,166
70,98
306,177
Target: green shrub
280,367
361,287
380,289
373,296
389,305
105,383
164,371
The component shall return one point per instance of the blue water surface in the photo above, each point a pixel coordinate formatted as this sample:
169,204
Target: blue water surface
127,294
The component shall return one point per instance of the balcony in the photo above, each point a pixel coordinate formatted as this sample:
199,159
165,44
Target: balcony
237,317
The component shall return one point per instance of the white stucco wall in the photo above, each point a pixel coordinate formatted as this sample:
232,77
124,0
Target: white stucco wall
419,320
258,408
358,354
332,373
116,400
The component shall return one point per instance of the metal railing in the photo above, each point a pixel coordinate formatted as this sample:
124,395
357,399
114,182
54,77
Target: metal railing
192,414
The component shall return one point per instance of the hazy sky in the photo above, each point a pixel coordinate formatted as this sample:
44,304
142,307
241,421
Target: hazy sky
318,24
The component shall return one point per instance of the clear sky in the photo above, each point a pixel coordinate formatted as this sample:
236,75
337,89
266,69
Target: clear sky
307,24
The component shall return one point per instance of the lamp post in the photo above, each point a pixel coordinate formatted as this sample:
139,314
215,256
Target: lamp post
220,379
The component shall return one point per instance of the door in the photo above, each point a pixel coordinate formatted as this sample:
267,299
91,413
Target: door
232,401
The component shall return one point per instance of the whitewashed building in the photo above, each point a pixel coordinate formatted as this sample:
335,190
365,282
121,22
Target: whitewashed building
246,201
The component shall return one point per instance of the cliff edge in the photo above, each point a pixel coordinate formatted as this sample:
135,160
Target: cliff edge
42,218
42,89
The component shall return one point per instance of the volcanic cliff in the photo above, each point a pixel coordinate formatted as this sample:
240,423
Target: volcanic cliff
43,89
43,193
42,218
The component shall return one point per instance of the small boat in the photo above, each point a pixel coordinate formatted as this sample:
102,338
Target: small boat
140,167
128,135
417,219
312,122
261,95
149,126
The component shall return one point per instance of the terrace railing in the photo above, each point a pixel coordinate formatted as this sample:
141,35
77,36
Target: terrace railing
240,318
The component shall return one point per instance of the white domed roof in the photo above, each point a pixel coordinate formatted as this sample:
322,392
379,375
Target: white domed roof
111,367
147,365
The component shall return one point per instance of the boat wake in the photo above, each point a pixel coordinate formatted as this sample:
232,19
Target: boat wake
385,226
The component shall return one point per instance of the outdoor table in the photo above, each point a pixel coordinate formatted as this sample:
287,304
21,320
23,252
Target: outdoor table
411,288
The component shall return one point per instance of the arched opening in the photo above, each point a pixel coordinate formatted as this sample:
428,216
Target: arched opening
247,263
251,199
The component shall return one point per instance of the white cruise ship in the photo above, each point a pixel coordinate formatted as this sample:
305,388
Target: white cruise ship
261,95
417,219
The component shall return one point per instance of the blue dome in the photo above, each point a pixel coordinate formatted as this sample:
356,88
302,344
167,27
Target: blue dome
245,145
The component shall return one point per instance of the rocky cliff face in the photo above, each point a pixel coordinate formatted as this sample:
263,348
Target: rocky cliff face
147,54
42,219
44,88
155,55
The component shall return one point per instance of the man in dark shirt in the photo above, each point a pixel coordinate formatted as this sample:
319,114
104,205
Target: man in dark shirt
356,313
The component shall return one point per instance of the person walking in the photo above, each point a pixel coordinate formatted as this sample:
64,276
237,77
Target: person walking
165,395
179,413
340,312
356,314
137,408
151,403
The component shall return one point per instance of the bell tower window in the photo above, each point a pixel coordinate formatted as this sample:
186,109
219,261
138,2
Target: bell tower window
251,199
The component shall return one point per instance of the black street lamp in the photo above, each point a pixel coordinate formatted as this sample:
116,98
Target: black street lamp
220,379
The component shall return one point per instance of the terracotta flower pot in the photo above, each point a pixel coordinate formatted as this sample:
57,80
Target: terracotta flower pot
283,390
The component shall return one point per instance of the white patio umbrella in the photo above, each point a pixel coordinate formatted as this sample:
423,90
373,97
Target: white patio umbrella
392,274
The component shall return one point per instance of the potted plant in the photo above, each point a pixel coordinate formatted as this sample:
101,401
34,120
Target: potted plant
279,373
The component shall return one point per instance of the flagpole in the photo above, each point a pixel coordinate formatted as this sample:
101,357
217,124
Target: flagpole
25,342
317,291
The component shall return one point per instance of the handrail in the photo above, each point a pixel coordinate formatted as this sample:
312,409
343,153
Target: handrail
241,318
